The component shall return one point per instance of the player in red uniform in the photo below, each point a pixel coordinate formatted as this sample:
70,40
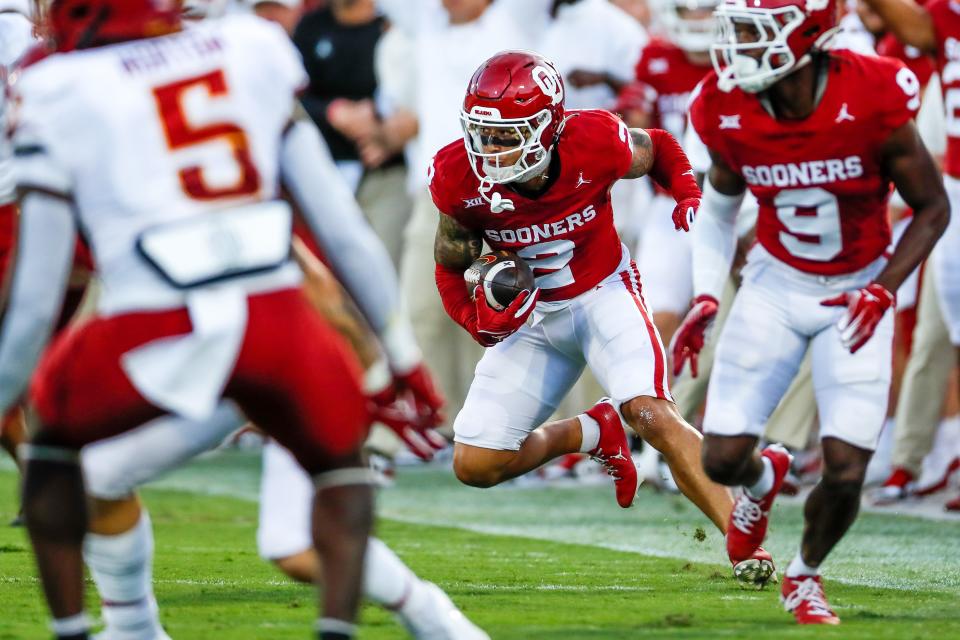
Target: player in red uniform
934,29
531,178
671,68
819,138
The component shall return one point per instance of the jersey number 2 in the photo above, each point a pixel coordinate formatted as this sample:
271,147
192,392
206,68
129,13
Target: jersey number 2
181,134
552,260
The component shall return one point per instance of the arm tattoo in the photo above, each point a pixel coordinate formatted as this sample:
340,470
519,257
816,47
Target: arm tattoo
642,154
456,246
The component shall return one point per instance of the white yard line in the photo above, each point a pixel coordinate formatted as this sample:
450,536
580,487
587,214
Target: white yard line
529,513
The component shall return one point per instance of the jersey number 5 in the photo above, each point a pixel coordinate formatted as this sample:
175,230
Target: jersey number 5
181,134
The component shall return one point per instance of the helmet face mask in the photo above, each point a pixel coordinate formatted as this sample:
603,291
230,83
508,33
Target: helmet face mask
764,42
752,51
508,150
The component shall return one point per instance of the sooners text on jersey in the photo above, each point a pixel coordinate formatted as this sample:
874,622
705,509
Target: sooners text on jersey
566,233
946,25
822,192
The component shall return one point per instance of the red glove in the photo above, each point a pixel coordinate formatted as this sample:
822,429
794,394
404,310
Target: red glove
685,212
426,398
688,340
636,96
410,406
671,170
865,309
486,325
492,326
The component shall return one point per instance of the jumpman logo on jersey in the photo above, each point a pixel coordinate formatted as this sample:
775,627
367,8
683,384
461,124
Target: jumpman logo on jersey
581,181
844,115
730,122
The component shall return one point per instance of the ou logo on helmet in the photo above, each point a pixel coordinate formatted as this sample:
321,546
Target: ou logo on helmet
548,80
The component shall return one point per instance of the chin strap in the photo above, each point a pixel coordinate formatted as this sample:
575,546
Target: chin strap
498,204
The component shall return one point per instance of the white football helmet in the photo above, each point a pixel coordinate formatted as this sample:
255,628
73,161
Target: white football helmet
202,9
689,24
23,7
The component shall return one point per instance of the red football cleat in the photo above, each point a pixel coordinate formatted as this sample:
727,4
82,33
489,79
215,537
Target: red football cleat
748,522
803,597
613,452
953,505
897,487
755,572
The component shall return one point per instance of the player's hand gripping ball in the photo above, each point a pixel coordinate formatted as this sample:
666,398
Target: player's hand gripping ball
502,276
504,294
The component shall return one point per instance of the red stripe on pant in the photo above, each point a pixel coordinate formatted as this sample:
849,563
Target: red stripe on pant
657,342
659,359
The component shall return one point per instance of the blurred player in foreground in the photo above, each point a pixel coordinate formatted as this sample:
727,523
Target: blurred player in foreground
169,146
119,547
819,138
535,179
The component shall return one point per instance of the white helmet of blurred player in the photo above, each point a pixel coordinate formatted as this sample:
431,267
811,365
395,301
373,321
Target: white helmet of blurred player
23,7
689,24
201,9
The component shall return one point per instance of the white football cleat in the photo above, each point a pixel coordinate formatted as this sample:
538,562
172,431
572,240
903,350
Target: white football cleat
437,618
155,633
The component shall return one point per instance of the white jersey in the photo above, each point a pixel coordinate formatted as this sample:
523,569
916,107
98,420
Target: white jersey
16,36
158,131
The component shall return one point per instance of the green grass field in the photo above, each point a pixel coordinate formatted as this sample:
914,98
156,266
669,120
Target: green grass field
525,564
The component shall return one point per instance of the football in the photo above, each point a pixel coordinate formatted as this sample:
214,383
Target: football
502,274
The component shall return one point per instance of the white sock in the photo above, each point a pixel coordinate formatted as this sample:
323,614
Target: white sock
386,580
590,433
800,568
121,566
332,625
762,486
72,626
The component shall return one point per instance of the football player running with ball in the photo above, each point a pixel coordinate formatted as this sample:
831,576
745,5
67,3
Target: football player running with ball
819,138
532,178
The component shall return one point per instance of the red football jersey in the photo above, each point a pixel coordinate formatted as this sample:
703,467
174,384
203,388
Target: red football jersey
566,233
664,67
946,25
822,192
917,61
